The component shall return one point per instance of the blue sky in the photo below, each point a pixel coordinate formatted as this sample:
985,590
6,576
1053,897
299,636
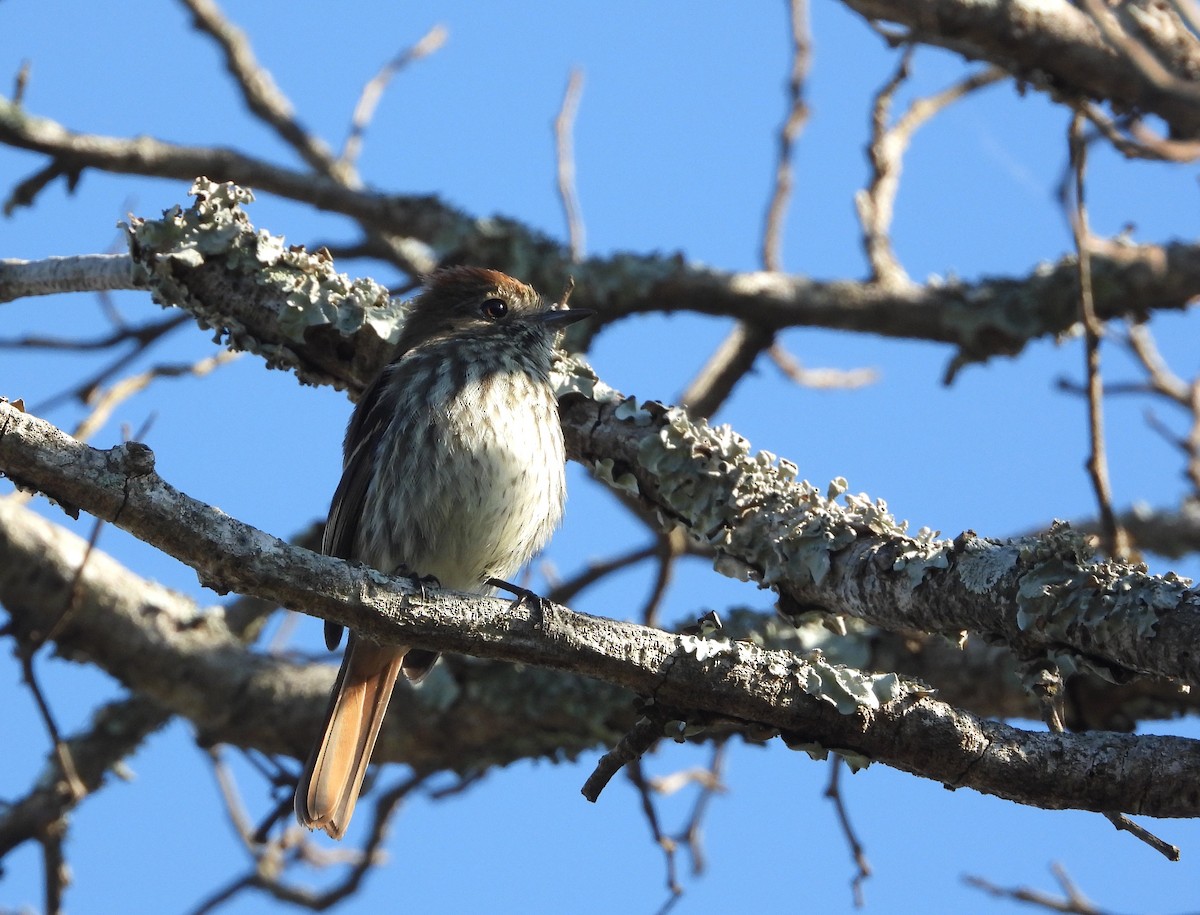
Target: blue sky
675,145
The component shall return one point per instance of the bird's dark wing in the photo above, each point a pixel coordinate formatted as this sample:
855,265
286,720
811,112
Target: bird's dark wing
366,429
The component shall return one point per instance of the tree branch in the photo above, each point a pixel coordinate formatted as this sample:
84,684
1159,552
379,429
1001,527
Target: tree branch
816,705
1055,47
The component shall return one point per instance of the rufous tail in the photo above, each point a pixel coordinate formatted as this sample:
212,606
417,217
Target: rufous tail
328,787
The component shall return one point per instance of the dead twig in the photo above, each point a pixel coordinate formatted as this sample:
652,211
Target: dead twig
564,147
373,89
1113,536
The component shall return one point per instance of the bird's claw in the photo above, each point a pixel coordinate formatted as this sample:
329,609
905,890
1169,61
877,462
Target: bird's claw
538,605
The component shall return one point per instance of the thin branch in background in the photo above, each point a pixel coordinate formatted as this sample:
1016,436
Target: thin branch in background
262,96
105,401
671,545
668,845
833,792
1113,536
821,379
1133,139
25,191
564,150
728,364
740,349
1162,380
1137,52
1073,902
234,808
21,82
691,836
565,592
56,873
373,89
793,125
1172,387
876,202
142,335
1193,441
268,103
74,785
709,780
272,859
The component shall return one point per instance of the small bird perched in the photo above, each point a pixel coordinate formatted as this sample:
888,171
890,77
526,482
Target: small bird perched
453,470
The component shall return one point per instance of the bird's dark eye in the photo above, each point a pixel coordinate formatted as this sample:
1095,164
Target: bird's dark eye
494,309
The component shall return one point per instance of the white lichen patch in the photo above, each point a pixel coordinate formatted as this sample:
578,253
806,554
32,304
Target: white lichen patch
1063,592
704,648
749,505
981,564
571,374
845,688
603,470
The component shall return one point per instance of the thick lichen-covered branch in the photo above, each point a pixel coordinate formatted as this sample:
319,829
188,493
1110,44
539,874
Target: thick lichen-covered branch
816,706
981,318
1045,596
188,661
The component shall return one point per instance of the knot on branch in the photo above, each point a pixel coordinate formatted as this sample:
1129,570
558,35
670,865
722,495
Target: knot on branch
131,459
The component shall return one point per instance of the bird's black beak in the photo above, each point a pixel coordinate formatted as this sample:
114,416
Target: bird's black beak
561,317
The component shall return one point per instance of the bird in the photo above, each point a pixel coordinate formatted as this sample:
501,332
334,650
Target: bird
453,473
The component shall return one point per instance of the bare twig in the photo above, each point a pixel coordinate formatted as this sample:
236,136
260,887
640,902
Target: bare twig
564,146
81,273
1114,537
374,88
834,792
272,859
671,545
141,334
711,785
740,349
1072,902
262,96
105,401
56,874
21,82
820,379
1167,384
876,202
565,592
668,845
728,364
1134,140
627,751
1124,824
50,832
793,125
74,785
